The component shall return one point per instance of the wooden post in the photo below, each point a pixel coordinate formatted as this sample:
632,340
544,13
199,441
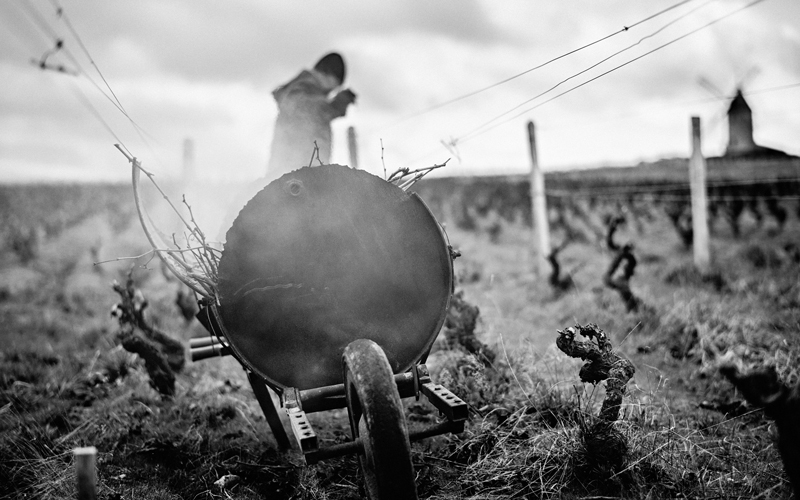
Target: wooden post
697,180
541,228
351,144
85,473
188,160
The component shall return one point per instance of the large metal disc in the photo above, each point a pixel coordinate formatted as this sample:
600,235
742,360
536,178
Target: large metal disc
324,256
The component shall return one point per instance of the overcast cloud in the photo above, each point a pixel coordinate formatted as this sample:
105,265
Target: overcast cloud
205,70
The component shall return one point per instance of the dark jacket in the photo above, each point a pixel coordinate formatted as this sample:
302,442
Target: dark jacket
304,115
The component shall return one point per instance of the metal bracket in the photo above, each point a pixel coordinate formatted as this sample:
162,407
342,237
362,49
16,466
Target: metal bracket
423,374
301,428
291,399
453,407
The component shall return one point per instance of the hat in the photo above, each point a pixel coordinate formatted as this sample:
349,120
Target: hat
331,64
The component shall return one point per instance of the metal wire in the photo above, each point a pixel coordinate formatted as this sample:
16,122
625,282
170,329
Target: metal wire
485,127
525,72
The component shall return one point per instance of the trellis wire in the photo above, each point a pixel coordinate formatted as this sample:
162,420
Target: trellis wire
49,33
485,127
539,66
476,130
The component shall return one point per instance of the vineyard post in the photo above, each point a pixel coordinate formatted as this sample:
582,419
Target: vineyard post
188,160
697,181
85,473
541,229
351,145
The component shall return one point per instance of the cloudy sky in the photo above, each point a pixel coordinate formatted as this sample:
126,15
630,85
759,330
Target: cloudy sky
205,70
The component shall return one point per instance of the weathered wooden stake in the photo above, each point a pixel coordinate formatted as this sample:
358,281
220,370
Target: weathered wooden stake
697,180
188,160
85,472
352,146
541,228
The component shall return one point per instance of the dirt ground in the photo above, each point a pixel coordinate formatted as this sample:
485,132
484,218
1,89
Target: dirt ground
65,380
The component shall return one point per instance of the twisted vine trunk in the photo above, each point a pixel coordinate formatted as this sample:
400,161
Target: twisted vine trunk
163,356
762,388
605,445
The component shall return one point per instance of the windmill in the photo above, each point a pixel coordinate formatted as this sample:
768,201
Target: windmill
740,120
738,112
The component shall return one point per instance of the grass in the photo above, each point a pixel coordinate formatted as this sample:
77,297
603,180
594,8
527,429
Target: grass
65,382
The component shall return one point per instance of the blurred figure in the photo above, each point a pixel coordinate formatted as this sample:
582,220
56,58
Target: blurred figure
305,112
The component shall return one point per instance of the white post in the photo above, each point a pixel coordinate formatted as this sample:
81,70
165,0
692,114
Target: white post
188,160
85,473
541,228
351,144
697,180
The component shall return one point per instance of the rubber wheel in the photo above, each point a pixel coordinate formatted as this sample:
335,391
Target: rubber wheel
377,418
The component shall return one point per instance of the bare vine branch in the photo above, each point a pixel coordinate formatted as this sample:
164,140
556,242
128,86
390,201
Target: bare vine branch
405,178
199,275
382,160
